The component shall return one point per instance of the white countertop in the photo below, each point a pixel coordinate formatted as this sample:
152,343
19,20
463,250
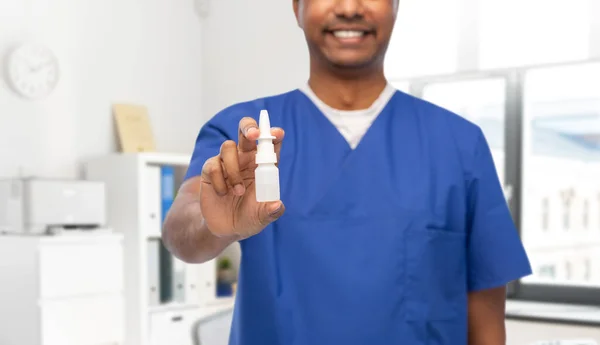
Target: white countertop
553,312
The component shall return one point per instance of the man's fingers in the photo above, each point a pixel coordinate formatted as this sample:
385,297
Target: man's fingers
246,159
212,173
229,156
247,134
269,212
278,133
223,171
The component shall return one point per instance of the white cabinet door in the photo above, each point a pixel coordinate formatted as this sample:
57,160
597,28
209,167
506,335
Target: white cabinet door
82,321
77,269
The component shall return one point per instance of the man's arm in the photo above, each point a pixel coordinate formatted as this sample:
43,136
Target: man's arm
486,317
185,233
495,253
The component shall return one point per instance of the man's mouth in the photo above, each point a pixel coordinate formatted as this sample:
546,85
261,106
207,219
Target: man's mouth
348,33
349,36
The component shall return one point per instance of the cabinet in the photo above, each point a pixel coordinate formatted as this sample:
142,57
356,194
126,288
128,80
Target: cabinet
163,294
64,289
172,326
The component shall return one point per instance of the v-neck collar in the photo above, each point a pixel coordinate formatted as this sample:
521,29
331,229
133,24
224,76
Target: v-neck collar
382,102
328,157
384,97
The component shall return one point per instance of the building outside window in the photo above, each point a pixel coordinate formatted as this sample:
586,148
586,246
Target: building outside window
587,275
547,271
585,221
568,270
567,201
545,214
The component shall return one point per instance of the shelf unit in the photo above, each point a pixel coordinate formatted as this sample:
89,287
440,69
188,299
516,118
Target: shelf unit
166,307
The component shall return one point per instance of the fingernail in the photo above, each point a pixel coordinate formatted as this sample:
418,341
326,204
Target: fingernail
247,130
273,209
238,189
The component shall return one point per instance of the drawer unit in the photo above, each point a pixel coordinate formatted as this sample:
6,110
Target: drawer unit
62,289
172,326
72,269
94,320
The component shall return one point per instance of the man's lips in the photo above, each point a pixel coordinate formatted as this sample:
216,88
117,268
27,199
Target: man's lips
350,34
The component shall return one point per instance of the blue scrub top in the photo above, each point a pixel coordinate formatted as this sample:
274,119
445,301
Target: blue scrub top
379,245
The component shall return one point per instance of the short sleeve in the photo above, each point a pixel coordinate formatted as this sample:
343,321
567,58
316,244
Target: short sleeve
496,255
208,143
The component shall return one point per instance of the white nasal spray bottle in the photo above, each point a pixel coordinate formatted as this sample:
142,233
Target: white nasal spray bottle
266,175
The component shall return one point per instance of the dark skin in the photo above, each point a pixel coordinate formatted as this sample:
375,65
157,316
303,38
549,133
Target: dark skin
215,209
346,74
486,317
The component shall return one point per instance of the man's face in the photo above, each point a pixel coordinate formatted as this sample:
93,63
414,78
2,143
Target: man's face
347,33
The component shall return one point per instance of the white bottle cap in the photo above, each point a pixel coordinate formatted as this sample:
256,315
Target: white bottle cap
265,151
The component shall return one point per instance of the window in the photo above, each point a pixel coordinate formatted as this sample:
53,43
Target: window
559,28
560,159
542,122
543,126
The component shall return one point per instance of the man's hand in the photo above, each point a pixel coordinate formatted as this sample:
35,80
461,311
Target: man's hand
227,193
486,317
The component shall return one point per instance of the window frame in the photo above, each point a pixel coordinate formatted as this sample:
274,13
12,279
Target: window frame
513,127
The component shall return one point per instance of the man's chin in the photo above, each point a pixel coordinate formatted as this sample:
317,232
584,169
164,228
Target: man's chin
351,63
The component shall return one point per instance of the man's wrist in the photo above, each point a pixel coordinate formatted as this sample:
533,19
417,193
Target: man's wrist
221,241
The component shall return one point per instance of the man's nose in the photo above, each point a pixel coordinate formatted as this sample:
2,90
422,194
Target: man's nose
349,8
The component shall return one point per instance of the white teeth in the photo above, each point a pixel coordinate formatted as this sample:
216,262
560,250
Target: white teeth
348,34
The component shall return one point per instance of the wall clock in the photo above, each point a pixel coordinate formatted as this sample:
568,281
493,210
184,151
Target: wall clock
32,71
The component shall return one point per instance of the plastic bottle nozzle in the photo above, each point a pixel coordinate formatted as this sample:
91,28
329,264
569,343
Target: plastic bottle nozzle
264,125
265,151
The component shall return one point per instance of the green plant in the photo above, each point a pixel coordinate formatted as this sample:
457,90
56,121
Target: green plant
224,264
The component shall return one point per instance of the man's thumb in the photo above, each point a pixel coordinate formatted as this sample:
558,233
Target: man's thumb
271,211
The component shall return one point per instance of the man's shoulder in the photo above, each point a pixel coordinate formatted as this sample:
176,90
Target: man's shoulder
445,129
437,116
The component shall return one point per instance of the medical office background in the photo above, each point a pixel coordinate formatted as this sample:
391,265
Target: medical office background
526,71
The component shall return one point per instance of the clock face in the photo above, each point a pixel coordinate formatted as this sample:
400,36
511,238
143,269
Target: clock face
32,71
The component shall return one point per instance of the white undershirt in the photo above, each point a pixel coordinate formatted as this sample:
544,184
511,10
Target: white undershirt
352,124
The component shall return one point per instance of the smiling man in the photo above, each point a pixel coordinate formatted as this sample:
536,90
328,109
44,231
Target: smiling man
395,229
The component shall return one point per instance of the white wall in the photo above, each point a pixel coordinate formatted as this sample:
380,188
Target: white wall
251,49
146,52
